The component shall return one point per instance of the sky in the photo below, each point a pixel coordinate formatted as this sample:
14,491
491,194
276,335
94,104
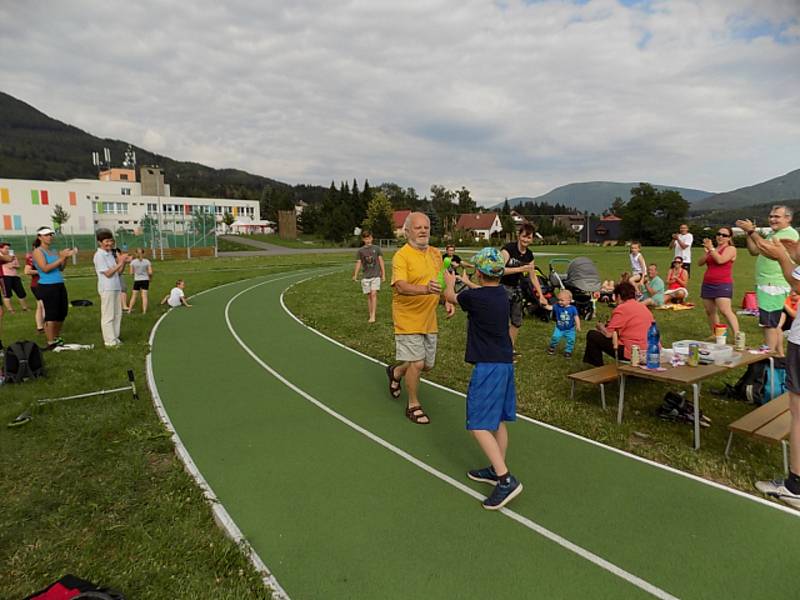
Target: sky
506,98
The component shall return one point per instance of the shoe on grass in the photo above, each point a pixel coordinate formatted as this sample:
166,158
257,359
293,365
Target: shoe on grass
485,475
503,494
777,489
551,350
567,354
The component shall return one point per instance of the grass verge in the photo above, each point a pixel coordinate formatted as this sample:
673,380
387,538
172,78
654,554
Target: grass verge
92,486
335,306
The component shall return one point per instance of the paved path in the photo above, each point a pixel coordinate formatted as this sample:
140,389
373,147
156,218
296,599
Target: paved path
265,249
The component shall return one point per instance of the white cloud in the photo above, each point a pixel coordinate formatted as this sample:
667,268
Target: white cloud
507,100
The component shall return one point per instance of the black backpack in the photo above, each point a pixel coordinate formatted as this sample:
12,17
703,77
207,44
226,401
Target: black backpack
23,360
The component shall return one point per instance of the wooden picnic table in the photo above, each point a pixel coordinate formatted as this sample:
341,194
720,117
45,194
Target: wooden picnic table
688,376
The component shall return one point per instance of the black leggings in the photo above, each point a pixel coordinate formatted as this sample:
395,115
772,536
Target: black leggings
598,344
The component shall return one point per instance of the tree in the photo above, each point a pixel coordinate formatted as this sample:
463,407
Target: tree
59,217
310,219
466,204
443,206
651,215
335,223
617,206
228,219
380,217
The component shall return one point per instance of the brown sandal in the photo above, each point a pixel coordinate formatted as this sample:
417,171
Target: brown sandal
394,384
416,415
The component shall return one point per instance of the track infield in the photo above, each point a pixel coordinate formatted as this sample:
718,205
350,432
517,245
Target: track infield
342,497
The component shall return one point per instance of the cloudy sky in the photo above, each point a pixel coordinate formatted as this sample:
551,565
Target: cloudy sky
507,98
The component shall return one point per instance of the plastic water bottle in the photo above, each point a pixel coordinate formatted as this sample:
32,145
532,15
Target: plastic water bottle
653,348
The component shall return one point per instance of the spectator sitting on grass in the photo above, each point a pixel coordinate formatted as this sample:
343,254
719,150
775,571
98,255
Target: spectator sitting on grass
653,288
176,297
677,278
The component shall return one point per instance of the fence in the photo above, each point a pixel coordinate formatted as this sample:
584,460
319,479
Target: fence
174,237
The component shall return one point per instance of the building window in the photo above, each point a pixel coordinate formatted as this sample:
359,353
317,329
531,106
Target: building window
126,191
124,177
152,208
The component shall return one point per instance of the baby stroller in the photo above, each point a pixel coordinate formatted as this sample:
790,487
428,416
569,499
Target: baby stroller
579,276
531,303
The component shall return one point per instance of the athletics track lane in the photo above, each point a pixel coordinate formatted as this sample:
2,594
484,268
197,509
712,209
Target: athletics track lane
335,515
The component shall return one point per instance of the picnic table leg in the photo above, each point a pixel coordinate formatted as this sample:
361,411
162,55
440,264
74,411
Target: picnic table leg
772,377
696,394
621,398
785,445
572,390
603,395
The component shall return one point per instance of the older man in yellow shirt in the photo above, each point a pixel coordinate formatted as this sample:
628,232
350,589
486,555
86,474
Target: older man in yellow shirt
415,295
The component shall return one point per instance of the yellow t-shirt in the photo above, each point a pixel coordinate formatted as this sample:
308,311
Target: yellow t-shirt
415,314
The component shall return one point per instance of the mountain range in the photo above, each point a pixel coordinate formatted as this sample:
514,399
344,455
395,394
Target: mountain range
36,146
597,196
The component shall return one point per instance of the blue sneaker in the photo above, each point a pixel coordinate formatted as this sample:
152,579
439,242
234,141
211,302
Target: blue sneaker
503,494
486,475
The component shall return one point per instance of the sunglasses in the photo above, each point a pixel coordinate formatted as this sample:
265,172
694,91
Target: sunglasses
723,234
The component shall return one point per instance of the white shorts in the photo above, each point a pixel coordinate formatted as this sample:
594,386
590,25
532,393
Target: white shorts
412,347
370,284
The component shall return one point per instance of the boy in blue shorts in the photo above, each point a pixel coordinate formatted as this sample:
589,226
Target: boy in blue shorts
567,322
491,396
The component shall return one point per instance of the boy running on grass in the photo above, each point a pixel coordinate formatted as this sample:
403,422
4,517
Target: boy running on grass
491,396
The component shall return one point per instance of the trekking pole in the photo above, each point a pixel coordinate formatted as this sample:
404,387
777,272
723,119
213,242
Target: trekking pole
26,416
131,387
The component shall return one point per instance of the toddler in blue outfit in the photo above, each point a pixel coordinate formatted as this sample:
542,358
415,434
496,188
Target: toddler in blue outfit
567,323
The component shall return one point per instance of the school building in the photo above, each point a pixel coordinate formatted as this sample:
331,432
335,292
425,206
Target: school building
116,200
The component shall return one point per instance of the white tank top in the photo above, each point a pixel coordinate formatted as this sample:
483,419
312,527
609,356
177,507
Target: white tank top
636,266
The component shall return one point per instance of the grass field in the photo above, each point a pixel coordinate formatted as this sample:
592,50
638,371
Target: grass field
543,391
302,241
92,486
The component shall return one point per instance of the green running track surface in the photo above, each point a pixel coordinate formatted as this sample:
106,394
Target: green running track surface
340,512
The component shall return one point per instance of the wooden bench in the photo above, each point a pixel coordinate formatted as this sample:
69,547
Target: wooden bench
596,376
768,423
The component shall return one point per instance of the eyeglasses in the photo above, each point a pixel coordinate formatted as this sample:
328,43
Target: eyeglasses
723,234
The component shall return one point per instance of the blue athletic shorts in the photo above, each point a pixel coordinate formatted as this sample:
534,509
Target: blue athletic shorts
491,396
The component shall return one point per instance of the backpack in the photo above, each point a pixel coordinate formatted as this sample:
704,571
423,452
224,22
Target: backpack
749,302
780,380
755,385
23,360
73,587
675,407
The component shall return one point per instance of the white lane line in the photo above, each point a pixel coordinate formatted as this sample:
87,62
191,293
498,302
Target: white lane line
544,532
758,500
220,513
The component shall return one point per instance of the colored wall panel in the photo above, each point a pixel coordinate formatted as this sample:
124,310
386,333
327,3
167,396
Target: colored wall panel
18,222
5,198
82,223
34,196
73,199
7,222
45,197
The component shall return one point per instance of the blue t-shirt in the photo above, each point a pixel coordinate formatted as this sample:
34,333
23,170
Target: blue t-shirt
487,331
565,316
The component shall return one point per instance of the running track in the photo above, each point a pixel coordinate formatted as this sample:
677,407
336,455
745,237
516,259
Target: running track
342,497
